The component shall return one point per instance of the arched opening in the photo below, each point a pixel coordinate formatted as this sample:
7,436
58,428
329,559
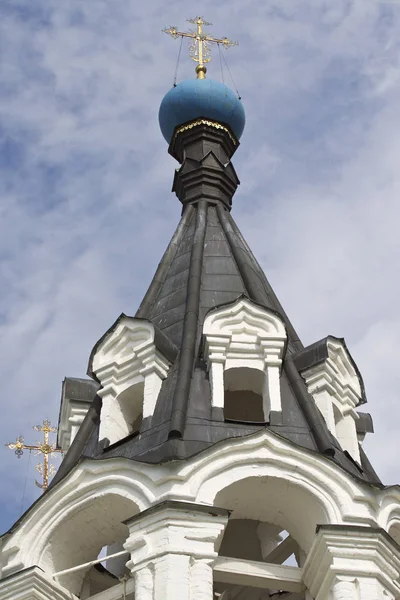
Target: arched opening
131,403
80,538
273,521
243,395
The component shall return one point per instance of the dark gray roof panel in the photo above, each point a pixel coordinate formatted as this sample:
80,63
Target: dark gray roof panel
83,390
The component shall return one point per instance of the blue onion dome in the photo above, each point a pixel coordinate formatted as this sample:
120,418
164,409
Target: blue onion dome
195,98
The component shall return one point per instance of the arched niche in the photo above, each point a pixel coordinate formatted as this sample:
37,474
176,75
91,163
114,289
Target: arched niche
127,360
243,395
81,535
276,502
245,336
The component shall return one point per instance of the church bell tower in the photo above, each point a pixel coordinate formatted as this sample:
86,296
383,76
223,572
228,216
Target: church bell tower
210,455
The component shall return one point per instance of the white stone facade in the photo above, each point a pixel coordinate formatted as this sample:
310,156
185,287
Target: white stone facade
243,335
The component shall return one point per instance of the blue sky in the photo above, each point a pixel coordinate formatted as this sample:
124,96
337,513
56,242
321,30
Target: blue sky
85,179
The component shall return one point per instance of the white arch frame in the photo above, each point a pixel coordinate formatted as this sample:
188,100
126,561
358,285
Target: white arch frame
262,455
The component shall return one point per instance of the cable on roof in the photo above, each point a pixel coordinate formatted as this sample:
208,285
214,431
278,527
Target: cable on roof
177,62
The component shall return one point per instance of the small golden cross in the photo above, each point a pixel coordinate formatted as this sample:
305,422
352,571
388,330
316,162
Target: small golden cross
200,50
45,469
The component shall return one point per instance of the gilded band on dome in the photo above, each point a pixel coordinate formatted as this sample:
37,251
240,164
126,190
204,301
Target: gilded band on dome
204,122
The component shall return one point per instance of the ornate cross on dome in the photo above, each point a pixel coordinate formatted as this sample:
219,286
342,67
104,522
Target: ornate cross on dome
45,469
200,50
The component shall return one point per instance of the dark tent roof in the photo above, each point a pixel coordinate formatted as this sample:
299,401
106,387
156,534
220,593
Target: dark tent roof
208,264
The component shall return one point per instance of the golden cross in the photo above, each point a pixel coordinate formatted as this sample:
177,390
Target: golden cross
45,469
200,50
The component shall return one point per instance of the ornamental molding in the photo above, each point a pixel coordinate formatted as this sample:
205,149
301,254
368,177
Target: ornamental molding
243,317
77,396
125,357
333,561
72,414
337,375
33,584
182,529
245,335
336,386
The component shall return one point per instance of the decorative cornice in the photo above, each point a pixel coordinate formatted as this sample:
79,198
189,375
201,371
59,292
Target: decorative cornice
330,360
175,528
76,397
333,380
229,319
242,334
350,556
128,359
34,584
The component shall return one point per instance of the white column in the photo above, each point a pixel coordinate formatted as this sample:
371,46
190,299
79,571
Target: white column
171,577
217,383
201,576
353,563
173,547
144,581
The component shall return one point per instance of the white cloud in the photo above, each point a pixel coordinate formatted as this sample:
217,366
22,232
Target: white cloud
86,209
